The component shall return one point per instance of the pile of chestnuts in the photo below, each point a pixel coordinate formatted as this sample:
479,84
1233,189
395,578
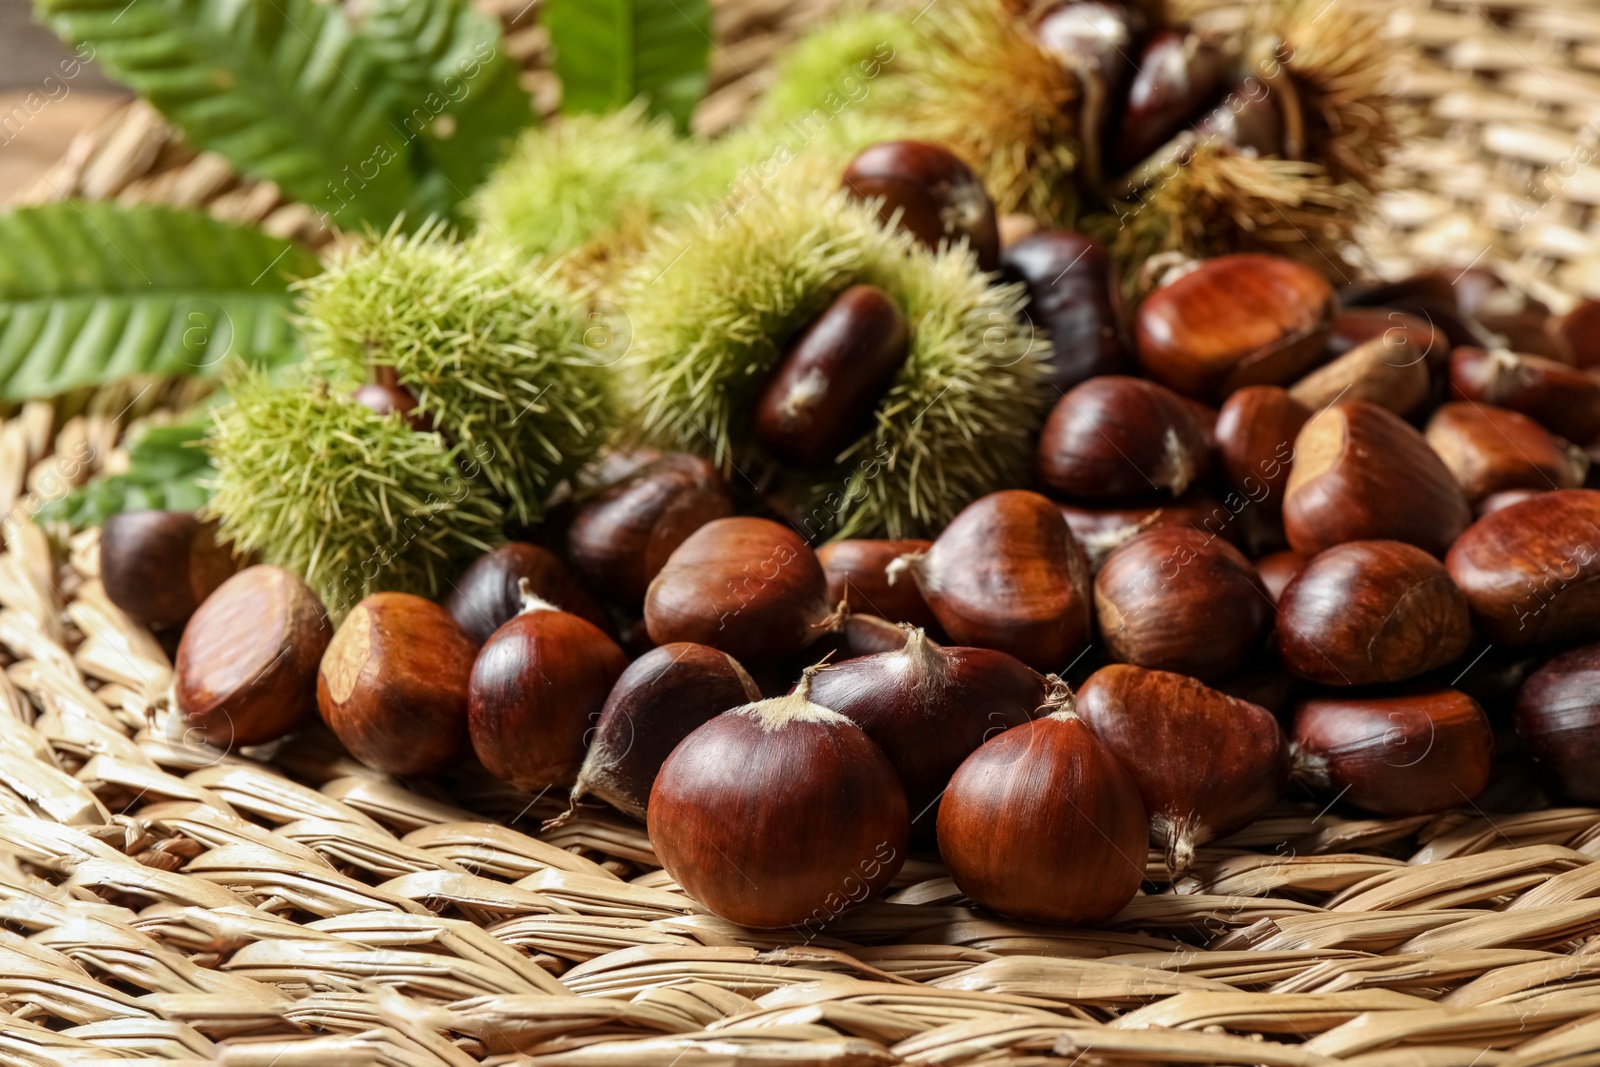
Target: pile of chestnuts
1280,540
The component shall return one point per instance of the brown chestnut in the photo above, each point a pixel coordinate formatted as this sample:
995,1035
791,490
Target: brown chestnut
1529,570
1250,119
158,566
1563,399
1366,612
536,691
935,195
621,537
1558,719
1358,325
1278,569
749,587
1179,600
1096,40
1256,429
1206,764
1115,437
246,670
1403,754
1234,321
487,595
393,684
1579,333
779,813
1362,474
1007,574
1068,278
1044,824
658,701
1176,76
857,573
1490,449
1100,529
1390,370
823,391
929,707
386,396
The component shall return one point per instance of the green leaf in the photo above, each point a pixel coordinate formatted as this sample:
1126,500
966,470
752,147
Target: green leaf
284,89
462,102
610,52
91,292
165,468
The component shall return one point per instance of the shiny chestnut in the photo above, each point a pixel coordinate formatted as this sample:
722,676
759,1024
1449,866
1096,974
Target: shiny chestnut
1068,278
1563,399
1368,612
1490,450
858,574
487,595
620,538
824,389
159,566
1102,528
934,195
1390,371
1178,600
1256,430
1558,719
1234,321
1114,438
1362,474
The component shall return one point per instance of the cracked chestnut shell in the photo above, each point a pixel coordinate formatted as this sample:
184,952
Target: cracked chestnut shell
1369,612
1361,473
826,386
622,536
1179,600
1234,321
1115,438
938,197
1531,571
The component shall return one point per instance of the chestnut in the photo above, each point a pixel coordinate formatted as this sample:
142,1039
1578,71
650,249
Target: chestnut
620,538
1389,370
1176,76
749,587
488,593
857,572
1100,529
1160,591
1563,399
1398,754
246,671
1529,570
1491,449
1115,437
1278,569
1043,823
823,391
779,813
1367,612
1239,320
537,687
1504,499
1557,717
1096,40
930,192
1579,333
867,635
393,684
1068,278
1007,574
386,396
1358,325
1362,474
1250,119
929,707
158,566
1206,764
657,701
1256,429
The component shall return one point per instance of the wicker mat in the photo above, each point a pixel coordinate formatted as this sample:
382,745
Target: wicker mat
287,907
